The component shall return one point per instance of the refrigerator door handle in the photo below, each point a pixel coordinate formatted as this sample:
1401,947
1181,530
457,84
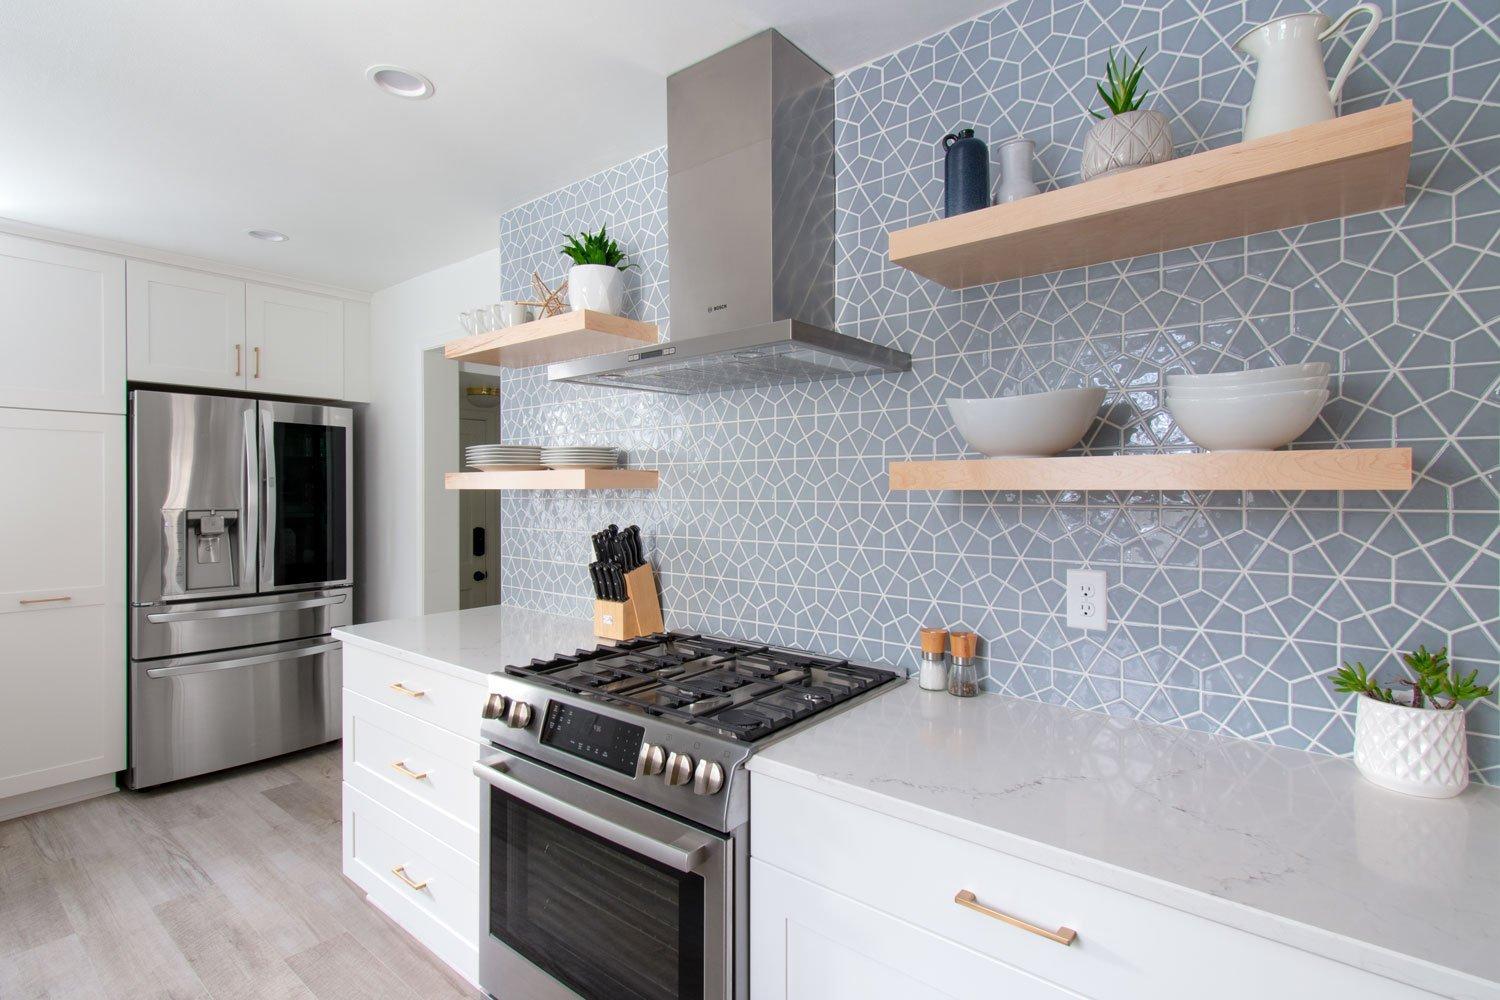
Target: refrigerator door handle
161,617
268,497
251,528
186,669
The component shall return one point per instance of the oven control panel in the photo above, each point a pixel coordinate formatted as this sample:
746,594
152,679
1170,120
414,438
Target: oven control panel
606,741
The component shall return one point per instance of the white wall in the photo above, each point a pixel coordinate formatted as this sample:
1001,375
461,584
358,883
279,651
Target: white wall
405,514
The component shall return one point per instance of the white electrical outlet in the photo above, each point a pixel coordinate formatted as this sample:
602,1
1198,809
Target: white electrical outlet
1088,599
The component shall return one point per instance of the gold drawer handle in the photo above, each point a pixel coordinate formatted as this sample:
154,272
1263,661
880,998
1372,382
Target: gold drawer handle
400,765
400,872
402,688
1063,935
44,600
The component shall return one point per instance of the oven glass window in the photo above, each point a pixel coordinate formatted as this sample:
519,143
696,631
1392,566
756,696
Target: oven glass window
311,533
607,923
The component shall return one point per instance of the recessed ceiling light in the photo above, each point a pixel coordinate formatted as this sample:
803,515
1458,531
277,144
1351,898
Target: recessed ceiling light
269,235
400,81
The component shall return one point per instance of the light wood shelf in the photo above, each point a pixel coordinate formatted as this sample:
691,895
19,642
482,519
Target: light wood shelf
555,479
578,334
1326,469
1357,163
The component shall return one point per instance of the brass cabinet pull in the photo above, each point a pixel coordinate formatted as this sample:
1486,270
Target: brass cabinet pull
44,600
237,349
1063,935
398,686
400,872
400,765
257,361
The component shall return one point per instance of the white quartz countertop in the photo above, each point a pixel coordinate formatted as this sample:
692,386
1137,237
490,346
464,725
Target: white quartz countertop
475,643
1289,845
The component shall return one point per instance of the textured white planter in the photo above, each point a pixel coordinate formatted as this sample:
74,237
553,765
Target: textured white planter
1419,751
1124,142
596,286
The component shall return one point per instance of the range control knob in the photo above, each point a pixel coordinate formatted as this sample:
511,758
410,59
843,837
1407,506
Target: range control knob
518,716
653,759
679,768
494,706
708,777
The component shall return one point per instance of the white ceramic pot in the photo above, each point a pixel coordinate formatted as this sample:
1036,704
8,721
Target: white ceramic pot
1291,86
1419,751
598,287
1015,171
1123,142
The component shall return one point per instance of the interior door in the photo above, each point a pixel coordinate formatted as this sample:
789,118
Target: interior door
62,325
296,342
478,521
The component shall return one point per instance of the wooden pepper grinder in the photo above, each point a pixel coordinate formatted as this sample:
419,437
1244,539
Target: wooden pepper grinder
963,676
933,673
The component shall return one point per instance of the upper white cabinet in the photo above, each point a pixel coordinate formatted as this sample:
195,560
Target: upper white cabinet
62,324
185,327
62,598
296,342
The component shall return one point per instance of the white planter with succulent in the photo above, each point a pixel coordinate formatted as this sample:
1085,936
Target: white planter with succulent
597,278
1128,136
1417,744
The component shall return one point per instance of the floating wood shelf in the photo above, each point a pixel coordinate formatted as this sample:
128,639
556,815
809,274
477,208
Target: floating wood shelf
578,334
554,479
1328,469
1357,163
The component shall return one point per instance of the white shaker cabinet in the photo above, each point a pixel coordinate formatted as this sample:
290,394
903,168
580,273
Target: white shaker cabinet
62,327
185,327
296,342
62,598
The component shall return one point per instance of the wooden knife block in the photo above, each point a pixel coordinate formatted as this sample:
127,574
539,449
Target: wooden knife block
639,614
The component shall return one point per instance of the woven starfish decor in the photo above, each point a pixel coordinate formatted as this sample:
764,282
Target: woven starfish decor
548,302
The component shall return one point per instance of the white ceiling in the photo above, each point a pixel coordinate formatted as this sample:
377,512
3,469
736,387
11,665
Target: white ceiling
179,124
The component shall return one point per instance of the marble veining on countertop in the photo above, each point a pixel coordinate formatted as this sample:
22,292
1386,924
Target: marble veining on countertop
1290,845
475,643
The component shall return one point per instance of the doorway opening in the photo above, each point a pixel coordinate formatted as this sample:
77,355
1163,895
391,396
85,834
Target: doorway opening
478,510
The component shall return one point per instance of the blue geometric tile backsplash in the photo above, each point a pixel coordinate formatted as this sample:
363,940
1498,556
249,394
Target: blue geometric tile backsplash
773,519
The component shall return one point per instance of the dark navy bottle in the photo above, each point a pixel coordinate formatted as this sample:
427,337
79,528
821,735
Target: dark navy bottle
966,173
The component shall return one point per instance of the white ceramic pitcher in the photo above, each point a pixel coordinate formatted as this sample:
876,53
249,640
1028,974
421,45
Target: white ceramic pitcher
1291,86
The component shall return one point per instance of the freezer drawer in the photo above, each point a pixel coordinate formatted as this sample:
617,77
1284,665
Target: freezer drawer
195,714
201,626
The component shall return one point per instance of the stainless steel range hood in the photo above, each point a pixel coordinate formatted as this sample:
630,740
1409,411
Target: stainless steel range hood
750,233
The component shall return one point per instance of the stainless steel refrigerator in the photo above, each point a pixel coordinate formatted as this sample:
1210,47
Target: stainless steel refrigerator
241,562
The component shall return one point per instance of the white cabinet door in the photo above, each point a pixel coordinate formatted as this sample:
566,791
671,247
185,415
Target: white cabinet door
296,342
811,943
185,327
62,327
62,598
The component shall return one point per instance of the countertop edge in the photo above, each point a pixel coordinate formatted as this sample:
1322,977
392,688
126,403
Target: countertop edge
1408,969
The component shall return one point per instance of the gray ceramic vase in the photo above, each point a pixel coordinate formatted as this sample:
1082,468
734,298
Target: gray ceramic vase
1124,142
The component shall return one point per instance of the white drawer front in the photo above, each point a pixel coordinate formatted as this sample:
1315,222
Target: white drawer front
427,694
444,912
1126,946
415,769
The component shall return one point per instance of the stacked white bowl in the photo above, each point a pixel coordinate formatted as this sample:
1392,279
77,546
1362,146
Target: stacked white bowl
1254,410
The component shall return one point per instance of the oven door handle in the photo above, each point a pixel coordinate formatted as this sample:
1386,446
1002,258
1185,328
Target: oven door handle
686,854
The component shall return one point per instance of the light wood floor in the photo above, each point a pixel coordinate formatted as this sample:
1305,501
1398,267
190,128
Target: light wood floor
226,887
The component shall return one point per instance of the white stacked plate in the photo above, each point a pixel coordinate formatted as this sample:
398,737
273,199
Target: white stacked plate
581,458
1254,410
502,457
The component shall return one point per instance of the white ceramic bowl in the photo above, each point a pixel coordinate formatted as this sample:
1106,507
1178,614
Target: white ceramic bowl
1312,369
1042,423
1260,423
1241,391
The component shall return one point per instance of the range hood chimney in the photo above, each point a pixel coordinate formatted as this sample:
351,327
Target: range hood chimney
750,233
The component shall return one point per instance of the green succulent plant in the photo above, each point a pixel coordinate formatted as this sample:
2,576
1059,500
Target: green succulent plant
594,248
1432,681
1121,88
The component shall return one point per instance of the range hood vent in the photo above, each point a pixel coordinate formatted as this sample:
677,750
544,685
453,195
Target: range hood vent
750,234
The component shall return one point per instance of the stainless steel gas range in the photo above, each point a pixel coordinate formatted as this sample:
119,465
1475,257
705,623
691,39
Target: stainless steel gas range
616,812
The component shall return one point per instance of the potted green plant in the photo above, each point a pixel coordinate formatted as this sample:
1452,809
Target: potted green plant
1129,136
596,280
1416,743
